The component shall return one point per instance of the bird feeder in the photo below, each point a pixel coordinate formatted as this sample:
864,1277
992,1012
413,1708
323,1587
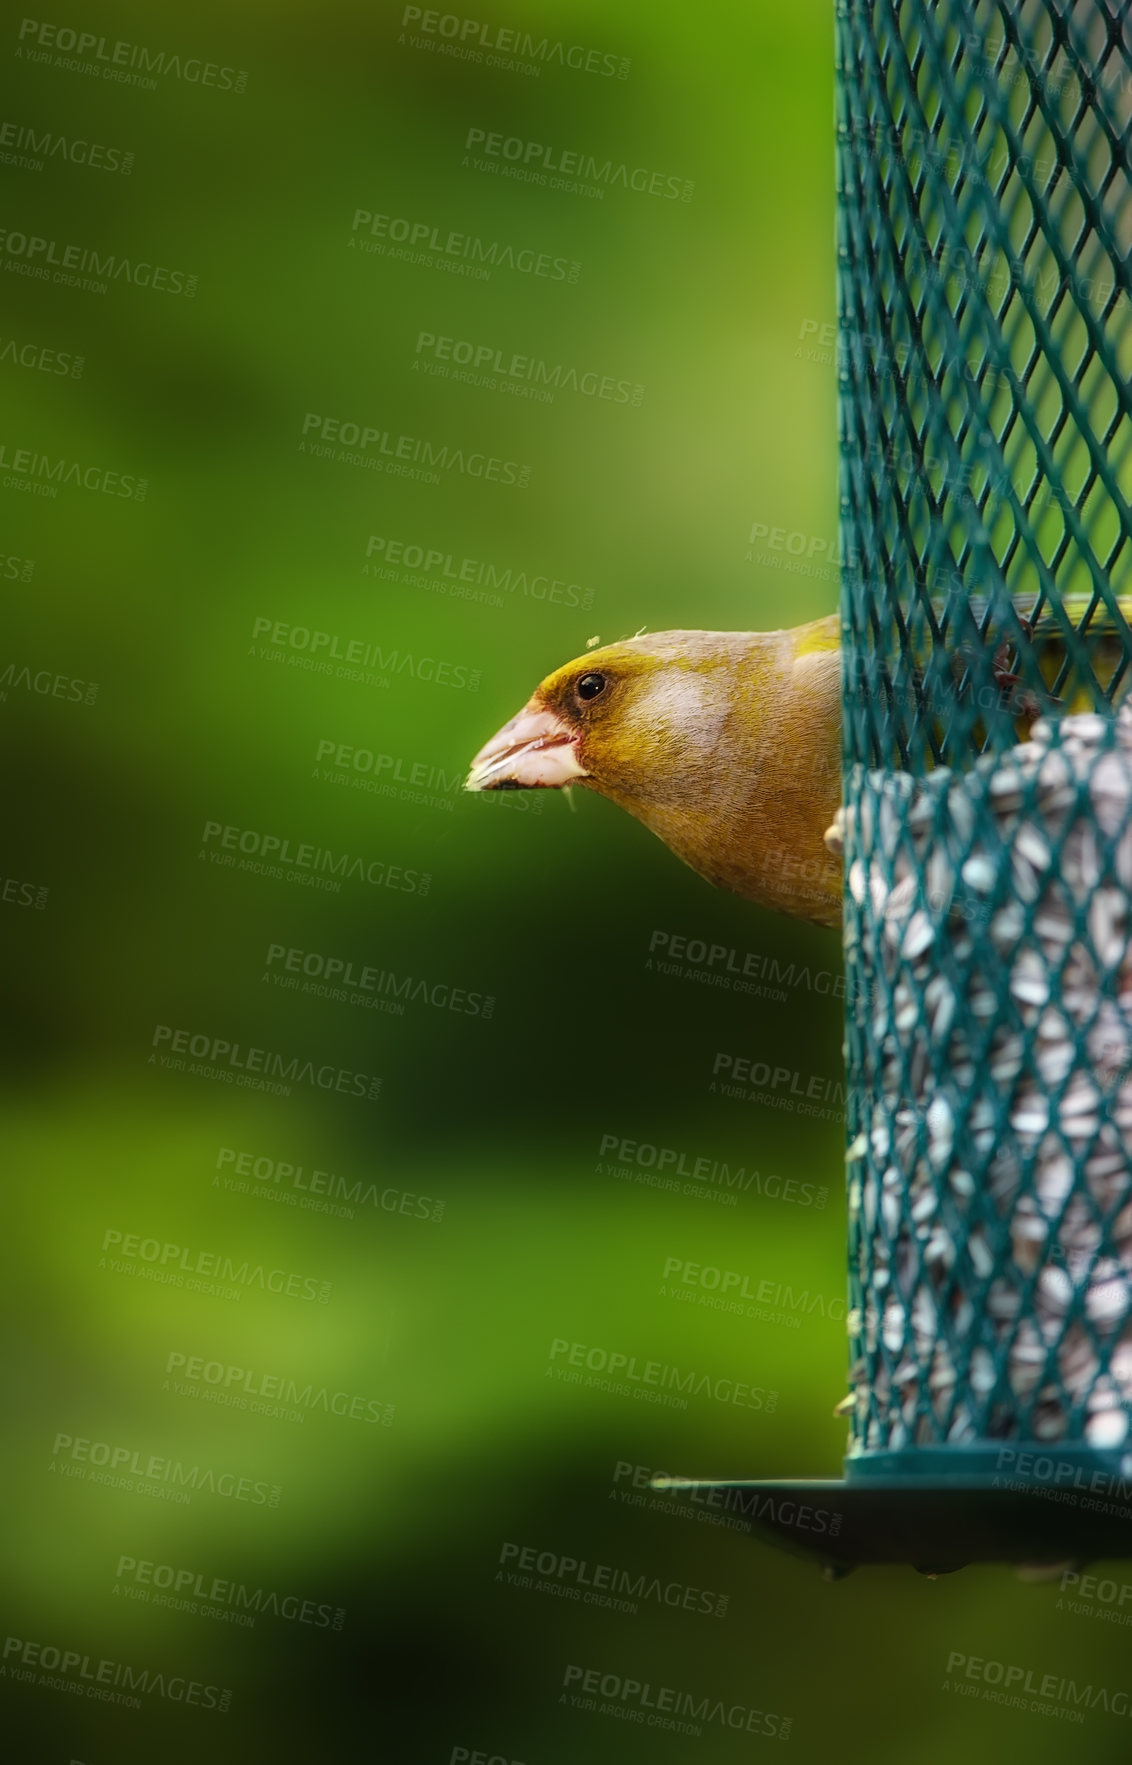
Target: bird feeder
984,227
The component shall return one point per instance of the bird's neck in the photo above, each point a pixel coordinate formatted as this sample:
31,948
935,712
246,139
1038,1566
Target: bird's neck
796,788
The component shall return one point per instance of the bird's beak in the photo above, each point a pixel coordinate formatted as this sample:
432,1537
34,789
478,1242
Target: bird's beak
535,749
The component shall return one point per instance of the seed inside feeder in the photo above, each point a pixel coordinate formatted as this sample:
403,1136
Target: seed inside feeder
1001,1034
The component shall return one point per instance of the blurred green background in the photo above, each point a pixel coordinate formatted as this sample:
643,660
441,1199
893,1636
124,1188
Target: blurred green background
489,1221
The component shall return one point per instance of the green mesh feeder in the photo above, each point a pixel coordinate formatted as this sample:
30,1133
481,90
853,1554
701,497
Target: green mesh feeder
985,223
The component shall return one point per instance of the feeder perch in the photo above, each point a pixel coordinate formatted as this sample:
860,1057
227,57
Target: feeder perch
985,366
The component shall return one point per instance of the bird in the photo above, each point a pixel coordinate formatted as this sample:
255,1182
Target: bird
727,744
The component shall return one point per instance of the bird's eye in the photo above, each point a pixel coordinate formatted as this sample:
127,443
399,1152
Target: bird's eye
590,686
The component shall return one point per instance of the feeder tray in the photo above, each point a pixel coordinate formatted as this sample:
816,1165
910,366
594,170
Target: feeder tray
940,1520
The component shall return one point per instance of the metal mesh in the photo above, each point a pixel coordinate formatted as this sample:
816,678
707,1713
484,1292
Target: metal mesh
985,361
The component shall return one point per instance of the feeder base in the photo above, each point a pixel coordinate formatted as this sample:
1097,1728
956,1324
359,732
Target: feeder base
933,1526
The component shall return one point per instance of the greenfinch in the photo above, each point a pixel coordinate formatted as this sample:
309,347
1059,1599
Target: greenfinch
727,744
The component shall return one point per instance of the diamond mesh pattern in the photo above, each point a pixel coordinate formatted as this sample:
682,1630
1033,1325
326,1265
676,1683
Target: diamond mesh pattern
984,227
